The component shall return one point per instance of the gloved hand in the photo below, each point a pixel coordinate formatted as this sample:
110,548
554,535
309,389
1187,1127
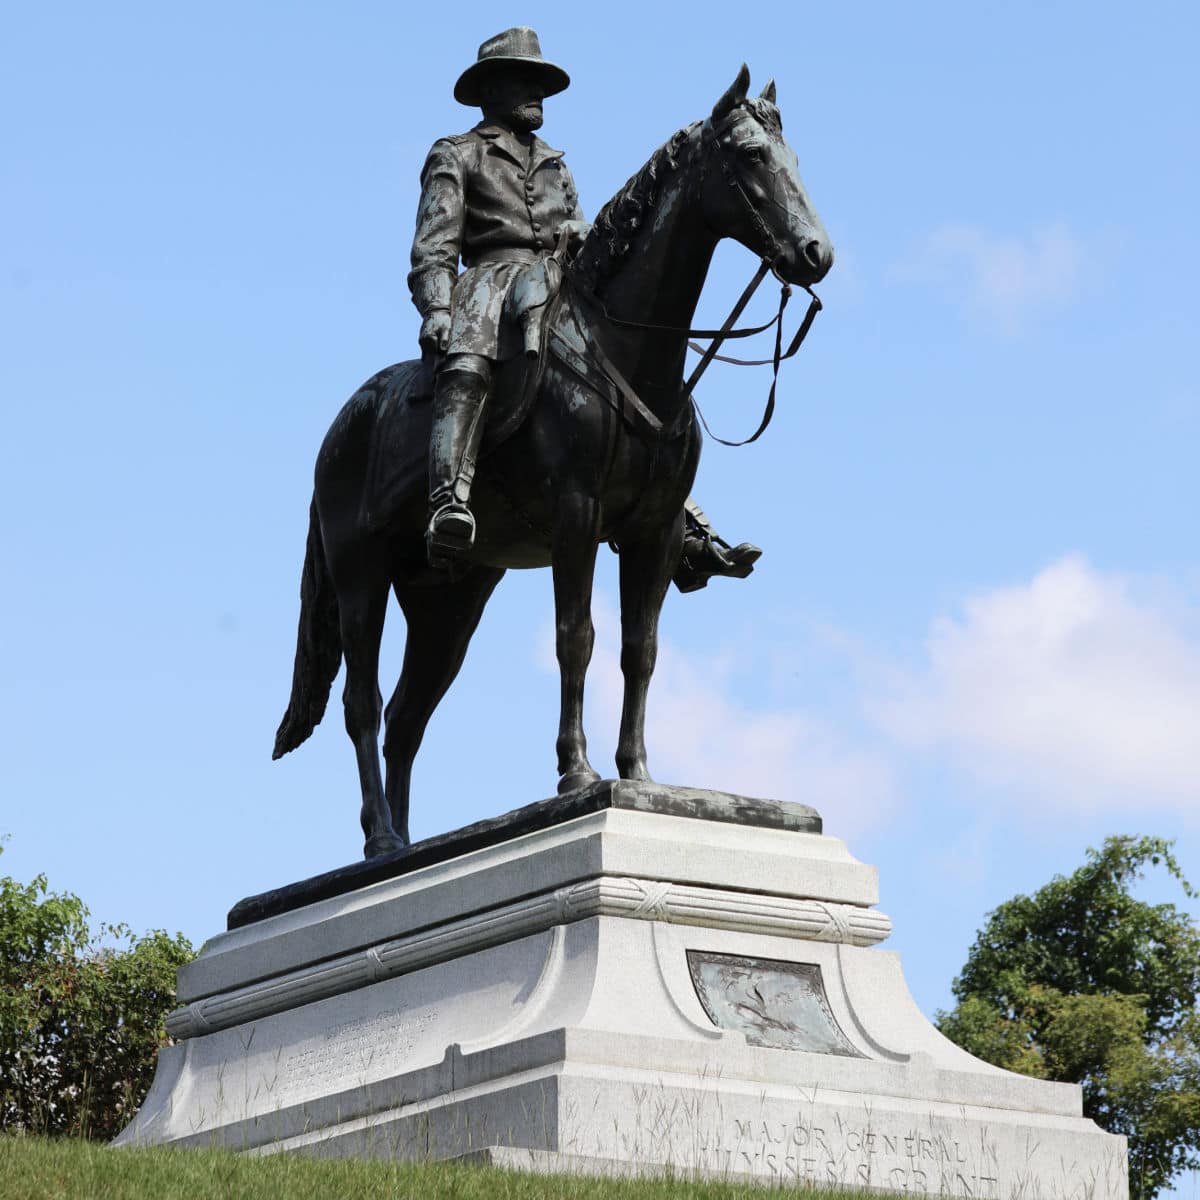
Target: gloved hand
435,332
576,232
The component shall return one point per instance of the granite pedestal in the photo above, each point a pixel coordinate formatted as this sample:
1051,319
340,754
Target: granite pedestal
644,979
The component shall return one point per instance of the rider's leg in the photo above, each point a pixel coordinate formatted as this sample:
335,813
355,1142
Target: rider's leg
706,553
458,404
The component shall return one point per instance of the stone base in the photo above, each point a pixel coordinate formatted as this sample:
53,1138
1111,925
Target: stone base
629,991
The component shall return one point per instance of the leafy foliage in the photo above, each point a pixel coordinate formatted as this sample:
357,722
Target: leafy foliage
1084,983
81,1013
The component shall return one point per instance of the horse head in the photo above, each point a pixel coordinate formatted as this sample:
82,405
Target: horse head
752,190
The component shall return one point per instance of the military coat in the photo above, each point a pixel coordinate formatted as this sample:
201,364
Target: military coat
495,204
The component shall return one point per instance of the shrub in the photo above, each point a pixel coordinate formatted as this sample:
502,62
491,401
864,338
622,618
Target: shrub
81,1013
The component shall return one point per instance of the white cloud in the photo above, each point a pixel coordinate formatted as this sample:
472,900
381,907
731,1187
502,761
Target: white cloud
1077,691
699,734
1073,687
1005,279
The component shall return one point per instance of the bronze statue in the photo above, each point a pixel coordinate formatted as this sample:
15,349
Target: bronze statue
498,198
591,437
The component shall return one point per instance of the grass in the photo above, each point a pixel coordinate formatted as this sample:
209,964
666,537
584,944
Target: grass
34,1168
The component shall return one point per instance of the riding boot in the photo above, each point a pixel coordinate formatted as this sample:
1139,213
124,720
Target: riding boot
706,553
457,427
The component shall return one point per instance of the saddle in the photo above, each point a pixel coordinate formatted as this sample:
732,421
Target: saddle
527,304
402,397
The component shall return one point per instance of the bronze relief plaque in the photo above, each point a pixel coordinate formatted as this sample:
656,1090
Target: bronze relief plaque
777,1004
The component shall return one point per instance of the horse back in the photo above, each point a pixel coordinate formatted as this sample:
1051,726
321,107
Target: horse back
375,451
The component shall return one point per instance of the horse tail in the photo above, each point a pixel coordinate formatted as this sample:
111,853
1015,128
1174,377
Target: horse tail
318,646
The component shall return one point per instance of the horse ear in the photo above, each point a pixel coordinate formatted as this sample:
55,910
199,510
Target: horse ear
768,93
735,95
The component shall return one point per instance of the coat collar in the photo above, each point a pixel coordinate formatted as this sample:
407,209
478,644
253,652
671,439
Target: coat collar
505,141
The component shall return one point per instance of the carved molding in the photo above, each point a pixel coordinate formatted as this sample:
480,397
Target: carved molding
604,896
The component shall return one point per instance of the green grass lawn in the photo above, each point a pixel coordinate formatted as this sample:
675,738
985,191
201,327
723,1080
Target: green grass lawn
41,1169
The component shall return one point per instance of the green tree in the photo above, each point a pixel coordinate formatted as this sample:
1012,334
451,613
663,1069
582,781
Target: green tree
1084,983
81,1013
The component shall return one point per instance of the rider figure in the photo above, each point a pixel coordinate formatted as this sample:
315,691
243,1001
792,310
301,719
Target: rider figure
497,197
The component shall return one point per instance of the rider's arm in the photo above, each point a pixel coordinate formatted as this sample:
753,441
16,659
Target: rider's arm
441,216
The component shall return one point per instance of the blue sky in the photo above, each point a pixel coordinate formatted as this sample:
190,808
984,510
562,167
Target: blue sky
973,641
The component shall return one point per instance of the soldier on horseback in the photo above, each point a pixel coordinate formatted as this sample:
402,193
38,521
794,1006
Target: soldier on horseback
500,199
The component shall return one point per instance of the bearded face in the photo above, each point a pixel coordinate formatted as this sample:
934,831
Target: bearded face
526,117
515,99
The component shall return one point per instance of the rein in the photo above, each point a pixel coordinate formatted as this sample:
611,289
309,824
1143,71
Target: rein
780,355
724,332
718,336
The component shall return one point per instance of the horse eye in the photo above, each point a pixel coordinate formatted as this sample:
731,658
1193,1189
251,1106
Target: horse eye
753,154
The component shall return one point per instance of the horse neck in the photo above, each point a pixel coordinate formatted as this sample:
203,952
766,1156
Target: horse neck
659,283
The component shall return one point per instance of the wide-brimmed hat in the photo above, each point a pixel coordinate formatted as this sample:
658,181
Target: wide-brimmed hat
512,48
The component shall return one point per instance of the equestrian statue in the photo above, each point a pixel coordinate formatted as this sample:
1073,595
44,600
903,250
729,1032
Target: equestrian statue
547,414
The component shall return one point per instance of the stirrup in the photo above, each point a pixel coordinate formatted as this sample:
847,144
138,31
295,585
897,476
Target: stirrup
712,555
451,533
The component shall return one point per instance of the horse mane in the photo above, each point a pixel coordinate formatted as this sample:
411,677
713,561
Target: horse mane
611,238
765,112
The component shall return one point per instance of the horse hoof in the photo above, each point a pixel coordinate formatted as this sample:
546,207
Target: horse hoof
638,773
383,843
572,781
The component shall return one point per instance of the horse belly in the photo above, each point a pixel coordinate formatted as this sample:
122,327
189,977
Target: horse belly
505,535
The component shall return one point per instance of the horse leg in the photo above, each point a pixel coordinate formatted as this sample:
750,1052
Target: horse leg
646,569
574,563
362,605
440,623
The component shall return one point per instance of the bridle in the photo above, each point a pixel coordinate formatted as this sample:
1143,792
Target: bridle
711,143
712,147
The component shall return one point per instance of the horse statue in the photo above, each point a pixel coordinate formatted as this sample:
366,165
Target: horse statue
597,441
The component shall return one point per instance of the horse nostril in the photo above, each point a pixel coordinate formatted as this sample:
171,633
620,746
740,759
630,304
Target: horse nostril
813,253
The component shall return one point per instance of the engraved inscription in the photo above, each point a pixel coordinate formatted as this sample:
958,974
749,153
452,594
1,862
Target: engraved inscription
355,1049
778,1004
813,1145
841,1153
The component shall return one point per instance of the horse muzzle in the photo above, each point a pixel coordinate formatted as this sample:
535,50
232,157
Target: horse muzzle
806,263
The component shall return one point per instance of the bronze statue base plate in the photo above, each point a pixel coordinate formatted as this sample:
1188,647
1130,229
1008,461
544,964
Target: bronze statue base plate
695,803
